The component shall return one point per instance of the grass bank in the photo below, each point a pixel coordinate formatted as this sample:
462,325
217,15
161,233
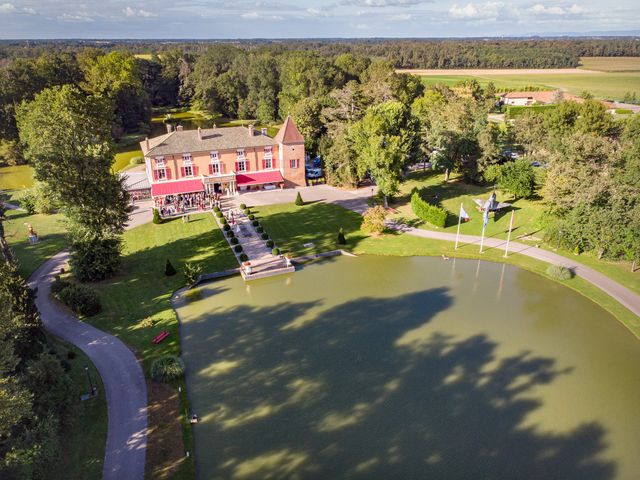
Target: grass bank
17,177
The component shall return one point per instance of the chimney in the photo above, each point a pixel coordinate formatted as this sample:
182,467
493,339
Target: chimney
169,128
251,130
147,143
179,128
199,133
263,131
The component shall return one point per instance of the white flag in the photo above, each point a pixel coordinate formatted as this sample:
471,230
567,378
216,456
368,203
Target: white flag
463,214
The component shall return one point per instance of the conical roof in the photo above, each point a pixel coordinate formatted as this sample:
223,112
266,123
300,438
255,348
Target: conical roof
289,133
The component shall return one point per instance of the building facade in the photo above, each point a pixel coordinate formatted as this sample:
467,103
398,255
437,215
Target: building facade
228,160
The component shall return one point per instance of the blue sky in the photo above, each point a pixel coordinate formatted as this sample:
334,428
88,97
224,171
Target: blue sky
309,18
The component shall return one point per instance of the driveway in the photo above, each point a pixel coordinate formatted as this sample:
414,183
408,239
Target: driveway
122,377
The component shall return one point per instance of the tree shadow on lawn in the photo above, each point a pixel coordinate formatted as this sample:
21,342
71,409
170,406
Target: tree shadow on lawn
364,390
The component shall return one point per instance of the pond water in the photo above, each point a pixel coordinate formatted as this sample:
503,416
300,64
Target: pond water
387,367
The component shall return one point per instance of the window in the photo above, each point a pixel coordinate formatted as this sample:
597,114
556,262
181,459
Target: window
241,166
214,156
293,163
267,163
214,168
160,162
188,170
186,157
161,174
240,154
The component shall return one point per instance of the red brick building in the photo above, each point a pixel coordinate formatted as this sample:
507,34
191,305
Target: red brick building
225,160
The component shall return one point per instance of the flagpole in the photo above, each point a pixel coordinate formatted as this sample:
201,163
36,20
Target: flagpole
482,240
459,221
506,248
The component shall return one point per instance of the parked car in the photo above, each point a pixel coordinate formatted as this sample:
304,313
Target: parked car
314,173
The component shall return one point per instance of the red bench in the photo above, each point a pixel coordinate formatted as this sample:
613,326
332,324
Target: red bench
161,336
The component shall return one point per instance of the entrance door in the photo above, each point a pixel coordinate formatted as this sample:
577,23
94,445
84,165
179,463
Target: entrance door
217,187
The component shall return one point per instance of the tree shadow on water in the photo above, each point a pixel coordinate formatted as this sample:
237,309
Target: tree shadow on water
367,390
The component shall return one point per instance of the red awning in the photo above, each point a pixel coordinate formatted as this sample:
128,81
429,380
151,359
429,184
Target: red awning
175,188
259,178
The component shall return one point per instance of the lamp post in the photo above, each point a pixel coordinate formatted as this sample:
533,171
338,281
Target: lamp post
94,391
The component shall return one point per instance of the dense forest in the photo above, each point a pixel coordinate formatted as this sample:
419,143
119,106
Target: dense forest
401,53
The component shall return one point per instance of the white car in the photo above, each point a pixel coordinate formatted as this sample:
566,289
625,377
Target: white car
314,172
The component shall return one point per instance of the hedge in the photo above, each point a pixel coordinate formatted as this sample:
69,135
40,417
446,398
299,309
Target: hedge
514,111
436,216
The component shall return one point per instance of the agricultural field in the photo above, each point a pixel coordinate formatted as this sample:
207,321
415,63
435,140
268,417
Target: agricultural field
611,64
606,78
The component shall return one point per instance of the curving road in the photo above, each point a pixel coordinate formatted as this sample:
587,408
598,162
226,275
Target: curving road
122,375
622,294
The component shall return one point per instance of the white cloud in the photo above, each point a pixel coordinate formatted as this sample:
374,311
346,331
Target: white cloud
259,16
7,8
401,16
472,11
132,12
81,17
314,12
383,3
29,11
540,9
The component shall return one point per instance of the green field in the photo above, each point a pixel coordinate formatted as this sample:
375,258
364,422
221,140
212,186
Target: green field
611,64
609,85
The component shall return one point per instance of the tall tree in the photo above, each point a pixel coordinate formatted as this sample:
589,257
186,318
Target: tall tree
68,140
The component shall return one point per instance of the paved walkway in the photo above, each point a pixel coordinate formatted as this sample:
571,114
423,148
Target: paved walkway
122,377
622,294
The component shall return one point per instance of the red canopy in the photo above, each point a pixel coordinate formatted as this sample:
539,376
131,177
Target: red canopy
259,178
175,188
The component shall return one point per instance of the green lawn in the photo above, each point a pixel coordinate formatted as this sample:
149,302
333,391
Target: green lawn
317,223
51,231
18,177
606,85
124,156
142,291
84,437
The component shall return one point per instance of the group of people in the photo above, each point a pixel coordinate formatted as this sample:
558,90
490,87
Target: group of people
183,203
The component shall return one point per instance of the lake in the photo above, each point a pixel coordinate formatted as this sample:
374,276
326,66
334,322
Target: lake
413,367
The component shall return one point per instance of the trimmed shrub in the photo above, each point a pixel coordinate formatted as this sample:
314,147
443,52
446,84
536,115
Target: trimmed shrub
226,227
341,239
275,251
58,285
234,240
219,214
259,229
157,219
136,160
243,257
436,216
216,209
246,211
252,216
264,236
223,221
255,223
243,206
230,233
373,220
269,243
558,272
167,368
299,201
237,248
169,270
81,299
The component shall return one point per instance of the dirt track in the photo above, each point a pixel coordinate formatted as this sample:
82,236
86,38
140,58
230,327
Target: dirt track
500,71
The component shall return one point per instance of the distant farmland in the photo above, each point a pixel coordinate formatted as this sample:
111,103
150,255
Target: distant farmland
611,64
602,84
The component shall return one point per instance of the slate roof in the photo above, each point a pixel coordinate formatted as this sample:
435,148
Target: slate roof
221,138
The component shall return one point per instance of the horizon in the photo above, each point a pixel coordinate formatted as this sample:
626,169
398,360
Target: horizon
312,19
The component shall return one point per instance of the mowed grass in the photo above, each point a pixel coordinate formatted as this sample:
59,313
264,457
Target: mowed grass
17,177
606,85
142,291
51,231
85,437
291,227
611,64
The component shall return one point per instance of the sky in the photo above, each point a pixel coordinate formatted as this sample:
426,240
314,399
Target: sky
200,19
